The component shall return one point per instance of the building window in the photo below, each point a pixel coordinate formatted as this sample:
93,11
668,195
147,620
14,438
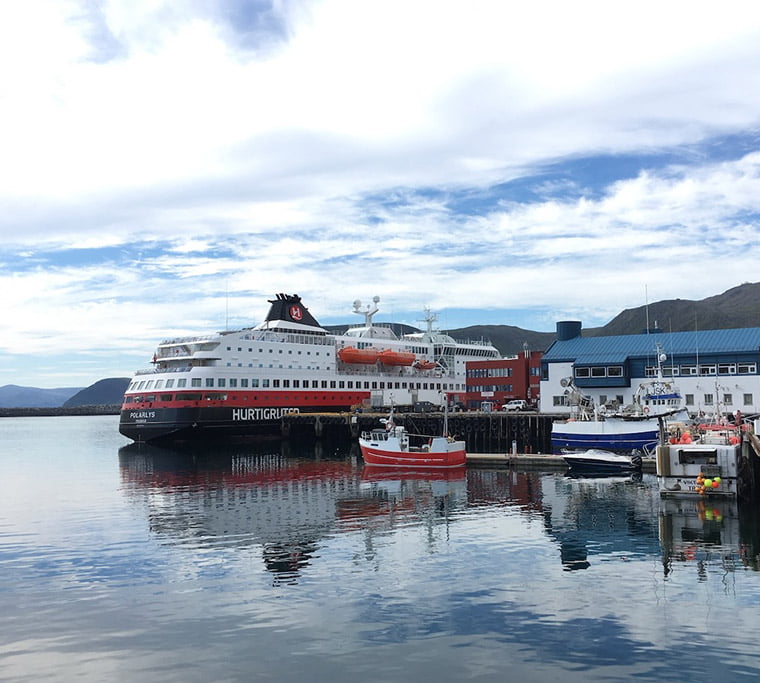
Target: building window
707,369
615,371
726,368
598,372
582,372
746,368
728,399
687,370
748,400
689,399
708,399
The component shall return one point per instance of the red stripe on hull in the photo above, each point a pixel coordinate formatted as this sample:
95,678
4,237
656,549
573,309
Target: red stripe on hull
377,457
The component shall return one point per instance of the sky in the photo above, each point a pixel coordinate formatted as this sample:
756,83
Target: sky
167,166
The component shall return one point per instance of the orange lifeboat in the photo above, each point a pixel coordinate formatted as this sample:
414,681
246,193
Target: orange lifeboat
424,364
350,354
389,357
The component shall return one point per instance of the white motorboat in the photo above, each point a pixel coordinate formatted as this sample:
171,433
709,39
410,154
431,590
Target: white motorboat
601,460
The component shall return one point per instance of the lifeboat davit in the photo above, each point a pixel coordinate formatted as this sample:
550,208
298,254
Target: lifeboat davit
424,364
351,354
389,357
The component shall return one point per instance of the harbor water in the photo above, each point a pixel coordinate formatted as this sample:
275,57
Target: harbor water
286,561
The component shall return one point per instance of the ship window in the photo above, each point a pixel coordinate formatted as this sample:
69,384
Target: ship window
265,383
239,349
220,382
324,384
332,384
374,385
708,399
195,382
350,384
189,397
341,385
229,348
209,382
181,383
165,397
233,382
689,398
276,383
366,385
255,382
244,382
748,401
728,399
286,383
159,383
296,383
382,385
141,385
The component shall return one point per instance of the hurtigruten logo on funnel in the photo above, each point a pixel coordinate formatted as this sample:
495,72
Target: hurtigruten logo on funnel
260,414
296,313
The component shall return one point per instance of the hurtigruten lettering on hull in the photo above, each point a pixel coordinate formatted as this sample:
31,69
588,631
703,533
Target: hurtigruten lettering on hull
261,413
242,382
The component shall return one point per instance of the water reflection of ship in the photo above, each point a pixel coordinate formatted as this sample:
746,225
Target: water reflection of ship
247,498
707,531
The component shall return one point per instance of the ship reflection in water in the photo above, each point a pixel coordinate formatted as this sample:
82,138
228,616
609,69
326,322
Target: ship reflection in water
286,502
283,501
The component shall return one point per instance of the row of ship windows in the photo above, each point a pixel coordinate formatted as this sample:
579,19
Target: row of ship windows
673,370
290,351
255,383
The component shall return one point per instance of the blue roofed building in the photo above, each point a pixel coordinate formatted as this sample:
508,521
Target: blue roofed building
715,370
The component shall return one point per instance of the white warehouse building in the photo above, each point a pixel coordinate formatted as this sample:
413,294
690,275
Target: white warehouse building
715,370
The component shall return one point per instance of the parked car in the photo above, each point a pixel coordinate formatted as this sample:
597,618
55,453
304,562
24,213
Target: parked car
425,407
515,404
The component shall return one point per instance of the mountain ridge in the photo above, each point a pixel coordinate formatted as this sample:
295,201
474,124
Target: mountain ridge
735,308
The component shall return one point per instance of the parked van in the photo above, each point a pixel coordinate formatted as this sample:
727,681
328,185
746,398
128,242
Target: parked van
515,404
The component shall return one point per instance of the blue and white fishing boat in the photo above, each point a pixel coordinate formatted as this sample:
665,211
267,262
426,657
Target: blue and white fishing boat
635,427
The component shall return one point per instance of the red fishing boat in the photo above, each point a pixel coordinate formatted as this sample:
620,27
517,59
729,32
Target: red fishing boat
391,446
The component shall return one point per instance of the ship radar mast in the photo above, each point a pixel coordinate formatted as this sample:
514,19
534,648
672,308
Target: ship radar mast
429,319
368,312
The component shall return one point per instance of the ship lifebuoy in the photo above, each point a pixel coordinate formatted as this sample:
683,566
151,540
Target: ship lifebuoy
646,410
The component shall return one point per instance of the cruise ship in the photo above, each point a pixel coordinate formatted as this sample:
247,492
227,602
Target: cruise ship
239,384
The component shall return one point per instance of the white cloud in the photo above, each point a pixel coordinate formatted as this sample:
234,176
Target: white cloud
334,154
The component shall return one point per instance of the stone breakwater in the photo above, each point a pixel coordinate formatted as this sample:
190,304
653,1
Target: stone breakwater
76,410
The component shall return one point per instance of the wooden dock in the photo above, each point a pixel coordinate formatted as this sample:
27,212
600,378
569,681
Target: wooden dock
535,461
